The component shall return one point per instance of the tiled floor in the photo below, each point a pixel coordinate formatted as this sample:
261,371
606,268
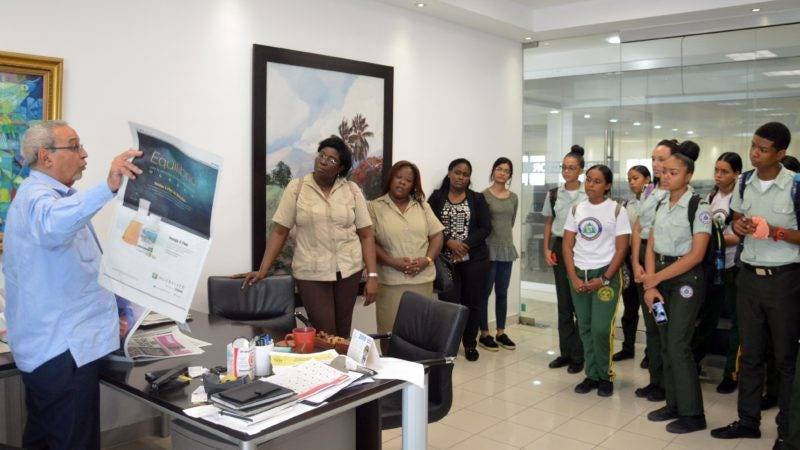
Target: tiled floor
512,400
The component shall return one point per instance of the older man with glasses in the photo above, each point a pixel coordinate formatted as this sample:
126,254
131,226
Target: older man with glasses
60,321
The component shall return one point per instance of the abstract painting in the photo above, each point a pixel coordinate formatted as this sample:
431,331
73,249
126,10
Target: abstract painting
30,89
300,99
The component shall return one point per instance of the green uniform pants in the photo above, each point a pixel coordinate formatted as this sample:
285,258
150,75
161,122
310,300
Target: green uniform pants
596,311
683,296
732,360
569,342
653,341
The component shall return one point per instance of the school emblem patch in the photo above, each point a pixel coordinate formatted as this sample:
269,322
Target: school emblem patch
686,291
705,218
605,293
590,228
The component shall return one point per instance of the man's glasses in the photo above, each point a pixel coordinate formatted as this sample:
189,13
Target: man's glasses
73,148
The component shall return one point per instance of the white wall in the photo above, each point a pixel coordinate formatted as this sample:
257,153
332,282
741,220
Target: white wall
185,67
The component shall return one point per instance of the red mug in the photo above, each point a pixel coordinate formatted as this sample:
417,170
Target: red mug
301,339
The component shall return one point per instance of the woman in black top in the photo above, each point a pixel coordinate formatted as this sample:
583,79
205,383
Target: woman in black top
467,223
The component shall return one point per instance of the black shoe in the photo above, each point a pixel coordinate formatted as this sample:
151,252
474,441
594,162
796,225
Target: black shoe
586,386
779,444
662,414
488,343
768,402
506,342
561,361
687,424
471,354
727,386
622,355
642,392
575,367
605,388
645,362
657,394
735,431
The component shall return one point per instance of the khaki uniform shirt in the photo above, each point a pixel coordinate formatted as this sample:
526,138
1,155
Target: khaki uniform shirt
776,206
564,202
403,234
673,232
327,241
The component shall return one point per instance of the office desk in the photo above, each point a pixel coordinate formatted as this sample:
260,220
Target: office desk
129,379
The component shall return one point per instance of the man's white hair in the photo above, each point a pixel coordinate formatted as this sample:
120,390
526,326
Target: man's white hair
39,135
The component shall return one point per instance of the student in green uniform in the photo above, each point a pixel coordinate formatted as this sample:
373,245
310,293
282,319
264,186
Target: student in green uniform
558,202
640,232
596,237
767,285
675,276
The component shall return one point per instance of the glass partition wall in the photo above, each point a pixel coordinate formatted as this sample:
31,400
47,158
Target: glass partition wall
618,100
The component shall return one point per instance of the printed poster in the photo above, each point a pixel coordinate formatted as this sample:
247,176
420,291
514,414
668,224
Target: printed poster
161,231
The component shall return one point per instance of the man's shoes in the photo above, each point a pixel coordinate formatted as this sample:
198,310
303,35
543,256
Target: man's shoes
471,354
735,431
561,361
586,386
605,388
488,343
622,355
657,394
645,362
575,367
642,392
687,424
727,385
506,342
662,414
768,402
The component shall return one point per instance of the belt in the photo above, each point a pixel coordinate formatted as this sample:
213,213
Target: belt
769,271
664,259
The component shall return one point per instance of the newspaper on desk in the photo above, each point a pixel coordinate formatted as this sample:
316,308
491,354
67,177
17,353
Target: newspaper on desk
163,343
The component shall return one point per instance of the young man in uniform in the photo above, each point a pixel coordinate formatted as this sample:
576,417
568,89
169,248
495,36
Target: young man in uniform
768,291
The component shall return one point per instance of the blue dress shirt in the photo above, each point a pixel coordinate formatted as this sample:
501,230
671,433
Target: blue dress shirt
51,263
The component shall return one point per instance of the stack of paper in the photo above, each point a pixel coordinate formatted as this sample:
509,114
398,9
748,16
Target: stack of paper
309,378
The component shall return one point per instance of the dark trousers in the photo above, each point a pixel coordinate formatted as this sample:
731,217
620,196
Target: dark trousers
792,439
767,307
499,277
653,347
732,359
468,284
330,304
569,341
630,314
63,404
707,318
683,296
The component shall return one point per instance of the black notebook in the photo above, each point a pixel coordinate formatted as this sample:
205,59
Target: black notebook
252,394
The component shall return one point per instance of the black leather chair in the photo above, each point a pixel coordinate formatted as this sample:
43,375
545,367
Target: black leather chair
266,304
425,329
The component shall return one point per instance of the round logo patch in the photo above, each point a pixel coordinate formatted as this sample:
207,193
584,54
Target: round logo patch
705,218
590,228
605,293
686,291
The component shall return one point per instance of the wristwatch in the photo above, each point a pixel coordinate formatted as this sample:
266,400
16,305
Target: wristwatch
430,261
605,281
779,234
372,275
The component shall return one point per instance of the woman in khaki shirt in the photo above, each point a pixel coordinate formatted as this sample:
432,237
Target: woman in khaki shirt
408,237
334,240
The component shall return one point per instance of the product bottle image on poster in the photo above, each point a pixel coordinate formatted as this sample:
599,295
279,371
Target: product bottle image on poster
134,229
150,234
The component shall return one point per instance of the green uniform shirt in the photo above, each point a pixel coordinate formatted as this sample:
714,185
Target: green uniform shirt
647,210
563,204
776,206
673,232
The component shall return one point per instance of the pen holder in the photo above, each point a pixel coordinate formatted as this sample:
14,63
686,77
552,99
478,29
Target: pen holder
263,365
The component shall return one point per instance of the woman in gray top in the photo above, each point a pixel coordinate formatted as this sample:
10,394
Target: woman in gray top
503,206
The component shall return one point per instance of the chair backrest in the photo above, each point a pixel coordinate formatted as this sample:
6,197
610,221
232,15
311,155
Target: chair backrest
424,329
271,297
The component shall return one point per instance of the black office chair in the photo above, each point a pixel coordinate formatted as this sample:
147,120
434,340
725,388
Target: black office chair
425,329
267,304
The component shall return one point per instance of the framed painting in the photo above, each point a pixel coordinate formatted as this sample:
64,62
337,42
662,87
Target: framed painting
300,99
30,89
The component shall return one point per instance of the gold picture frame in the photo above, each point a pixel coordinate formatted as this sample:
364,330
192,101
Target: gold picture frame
30,89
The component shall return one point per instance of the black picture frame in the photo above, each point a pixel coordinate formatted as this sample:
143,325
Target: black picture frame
263,55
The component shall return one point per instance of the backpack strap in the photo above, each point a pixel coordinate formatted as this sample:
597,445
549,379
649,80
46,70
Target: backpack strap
743,182
617,209
553,196
796,198
574,208
693,203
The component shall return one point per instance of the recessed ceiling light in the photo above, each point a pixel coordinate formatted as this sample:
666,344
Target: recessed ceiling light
613,120
587,116
657,127
756,10
528,38
636,124
553,111
749,56
420,5
613,39
674,129
783,73
690,132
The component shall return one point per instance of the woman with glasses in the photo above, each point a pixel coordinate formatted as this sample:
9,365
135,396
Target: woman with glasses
558,202
503,206
334,240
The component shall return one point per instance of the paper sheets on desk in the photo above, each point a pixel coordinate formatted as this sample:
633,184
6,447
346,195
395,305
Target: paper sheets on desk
282,361
399,369
211,414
